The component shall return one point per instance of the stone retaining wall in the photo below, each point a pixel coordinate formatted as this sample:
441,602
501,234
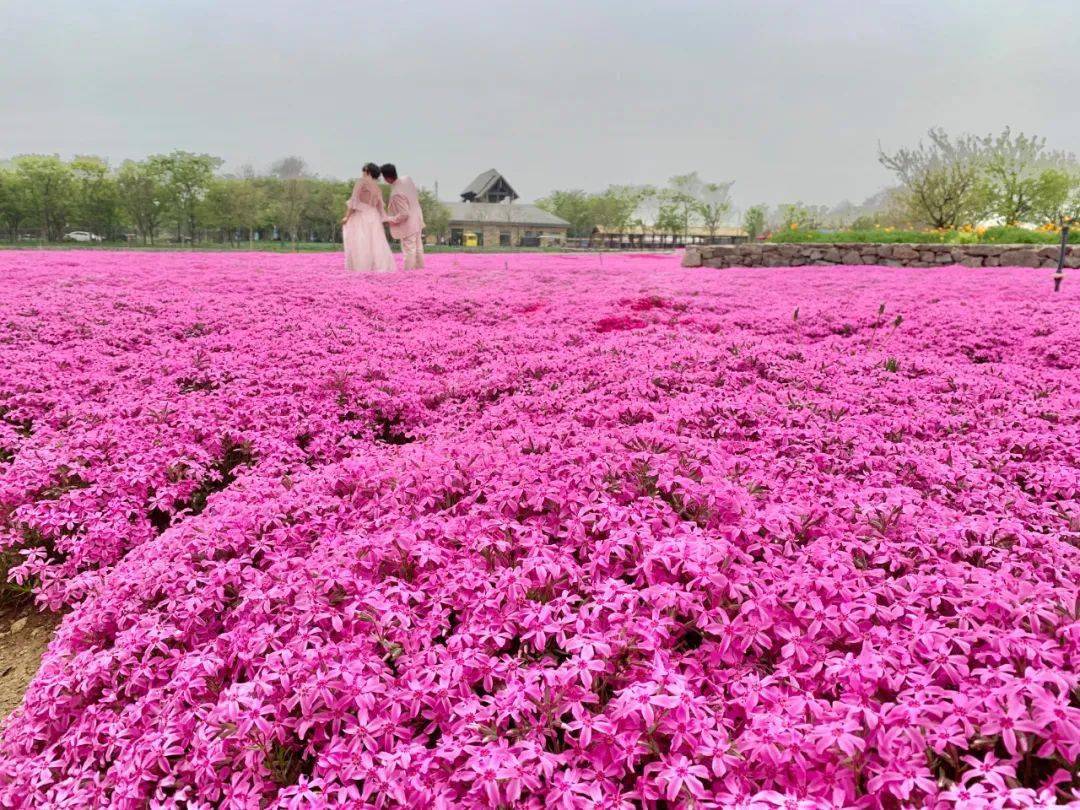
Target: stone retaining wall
799,254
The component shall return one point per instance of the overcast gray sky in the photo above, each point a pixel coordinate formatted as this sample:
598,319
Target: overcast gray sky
788,98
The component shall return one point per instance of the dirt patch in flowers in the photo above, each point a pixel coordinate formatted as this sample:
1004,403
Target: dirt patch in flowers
24,634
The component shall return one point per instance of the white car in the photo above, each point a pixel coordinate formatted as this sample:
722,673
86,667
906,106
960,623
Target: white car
82,236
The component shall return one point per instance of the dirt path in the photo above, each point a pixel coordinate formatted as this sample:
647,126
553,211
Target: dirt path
24,635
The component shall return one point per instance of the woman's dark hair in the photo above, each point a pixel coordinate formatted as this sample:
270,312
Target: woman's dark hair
372,170
389,171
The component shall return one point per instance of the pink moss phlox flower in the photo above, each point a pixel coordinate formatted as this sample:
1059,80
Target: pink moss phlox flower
551,535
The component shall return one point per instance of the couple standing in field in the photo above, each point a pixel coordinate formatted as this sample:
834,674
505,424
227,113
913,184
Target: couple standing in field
366,248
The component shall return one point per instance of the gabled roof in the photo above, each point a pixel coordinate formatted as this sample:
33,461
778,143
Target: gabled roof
483,183
481,213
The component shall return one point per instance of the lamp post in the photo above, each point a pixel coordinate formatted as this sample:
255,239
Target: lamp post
1059,276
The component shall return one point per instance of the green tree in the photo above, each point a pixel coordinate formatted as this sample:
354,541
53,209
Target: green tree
575,207
143,195
97,199
234,207
249,205
884,209
322,215
48,184
219,208
436,215
614,208
14,201
754,221
943,179
670,218
650,200
187,178
1057,196
713,204
695,200
293,194
684,192
1016,175
798,215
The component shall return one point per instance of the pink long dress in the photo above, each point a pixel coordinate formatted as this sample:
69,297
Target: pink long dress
366,248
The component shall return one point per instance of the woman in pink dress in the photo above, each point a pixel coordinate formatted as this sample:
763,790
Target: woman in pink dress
366,248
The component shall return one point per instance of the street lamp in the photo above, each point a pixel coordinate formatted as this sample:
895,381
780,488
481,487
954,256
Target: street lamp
1059,276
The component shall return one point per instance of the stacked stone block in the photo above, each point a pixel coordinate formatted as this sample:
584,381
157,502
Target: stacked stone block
899,255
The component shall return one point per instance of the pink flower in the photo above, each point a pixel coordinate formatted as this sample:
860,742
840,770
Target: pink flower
677,774
416,540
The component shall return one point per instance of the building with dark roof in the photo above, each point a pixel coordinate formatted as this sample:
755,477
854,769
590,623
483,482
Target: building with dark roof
489,187
488,215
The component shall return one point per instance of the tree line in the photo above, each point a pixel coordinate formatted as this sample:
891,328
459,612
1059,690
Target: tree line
177,197
180,197
686,202
944,182
1010,178
949,182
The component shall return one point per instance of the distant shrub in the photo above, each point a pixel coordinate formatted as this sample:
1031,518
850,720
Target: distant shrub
1004,234
884,235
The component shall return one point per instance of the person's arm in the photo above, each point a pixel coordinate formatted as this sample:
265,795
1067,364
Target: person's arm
399,209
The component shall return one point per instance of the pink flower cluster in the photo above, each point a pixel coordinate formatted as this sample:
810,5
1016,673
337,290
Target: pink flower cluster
541,531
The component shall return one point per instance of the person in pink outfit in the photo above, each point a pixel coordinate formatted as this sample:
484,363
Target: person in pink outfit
366,248
404,215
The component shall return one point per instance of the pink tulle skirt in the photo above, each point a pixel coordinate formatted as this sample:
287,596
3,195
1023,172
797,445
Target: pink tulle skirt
366,248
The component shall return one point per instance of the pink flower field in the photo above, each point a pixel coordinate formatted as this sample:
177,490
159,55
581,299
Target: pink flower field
541,531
